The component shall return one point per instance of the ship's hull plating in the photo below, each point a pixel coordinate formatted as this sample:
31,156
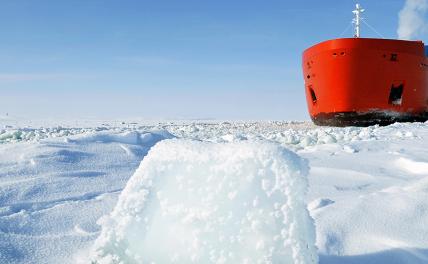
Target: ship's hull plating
362,82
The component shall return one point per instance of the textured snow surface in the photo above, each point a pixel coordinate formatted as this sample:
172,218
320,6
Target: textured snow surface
195,202
293,135
53,192
368,187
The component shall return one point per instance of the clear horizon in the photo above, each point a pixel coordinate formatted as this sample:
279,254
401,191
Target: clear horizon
169,60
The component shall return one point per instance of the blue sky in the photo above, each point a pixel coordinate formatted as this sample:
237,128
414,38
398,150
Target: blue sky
167,59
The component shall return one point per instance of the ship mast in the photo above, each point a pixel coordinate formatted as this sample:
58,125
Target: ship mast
356,21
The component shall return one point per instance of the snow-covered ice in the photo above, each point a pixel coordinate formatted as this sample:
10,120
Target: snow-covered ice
199,202
367,194
53,192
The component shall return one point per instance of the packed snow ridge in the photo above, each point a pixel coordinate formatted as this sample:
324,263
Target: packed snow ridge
201,202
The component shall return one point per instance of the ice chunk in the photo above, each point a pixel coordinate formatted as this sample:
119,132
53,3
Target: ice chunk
129,137
201,202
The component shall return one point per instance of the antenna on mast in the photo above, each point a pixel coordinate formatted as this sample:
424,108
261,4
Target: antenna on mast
356,21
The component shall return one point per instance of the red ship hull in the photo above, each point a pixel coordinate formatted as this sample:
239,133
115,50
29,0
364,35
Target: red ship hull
361,81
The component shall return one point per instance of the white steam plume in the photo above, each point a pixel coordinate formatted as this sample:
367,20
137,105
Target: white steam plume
412,21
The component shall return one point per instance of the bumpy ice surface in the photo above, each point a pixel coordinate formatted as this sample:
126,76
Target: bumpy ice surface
195,202
368,187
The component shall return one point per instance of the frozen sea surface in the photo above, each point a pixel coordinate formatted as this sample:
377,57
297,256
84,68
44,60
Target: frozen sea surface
367,194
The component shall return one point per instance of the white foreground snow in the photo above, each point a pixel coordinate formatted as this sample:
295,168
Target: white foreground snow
52,193
368,187
195,202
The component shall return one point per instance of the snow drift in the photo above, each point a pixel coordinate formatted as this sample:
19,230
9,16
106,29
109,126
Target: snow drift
53,191
201,202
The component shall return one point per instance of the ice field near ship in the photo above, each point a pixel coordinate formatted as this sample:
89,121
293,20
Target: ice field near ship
69,190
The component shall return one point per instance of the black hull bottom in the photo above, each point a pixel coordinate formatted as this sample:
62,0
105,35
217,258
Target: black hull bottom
343,119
